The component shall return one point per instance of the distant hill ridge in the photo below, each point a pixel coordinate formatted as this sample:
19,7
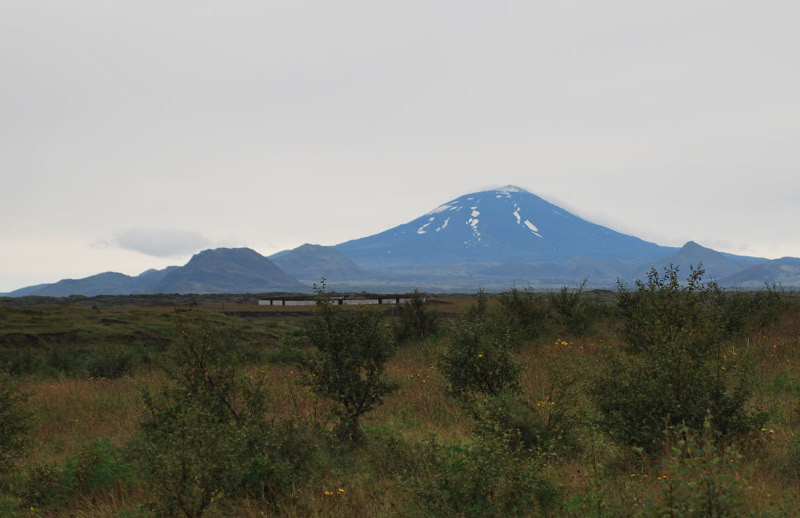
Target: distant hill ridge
783,272
221,270
228,270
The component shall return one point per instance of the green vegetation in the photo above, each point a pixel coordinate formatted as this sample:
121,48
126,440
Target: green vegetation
521,315
493,476
14,425
671,398
97,468
352,348
573,313
415,320
208,435
677,366
477,360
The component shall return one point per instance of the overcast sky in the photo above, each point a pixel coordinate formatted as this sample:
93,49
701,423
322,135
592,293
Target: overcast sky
135,133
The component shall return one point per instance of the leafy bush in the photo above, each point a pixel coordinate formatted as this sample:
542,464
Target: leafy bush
492,477
15,422
546,422
475,362
23,361
673,370
111,362
521,315
744,312
208,435
415,320
352,349
96,468
791,468
698,480
574,315
479,310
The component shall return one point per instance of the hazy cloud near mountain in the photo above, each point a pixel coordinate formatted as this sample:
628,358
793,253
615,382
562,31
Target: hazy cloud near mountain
161,242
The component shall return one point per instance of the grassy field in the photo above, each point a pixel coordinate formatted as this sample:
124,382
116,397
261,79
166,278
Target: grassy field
84,370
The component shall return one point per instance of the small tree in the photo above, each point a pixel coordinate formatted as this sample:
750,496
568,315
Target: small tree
352,349
416,321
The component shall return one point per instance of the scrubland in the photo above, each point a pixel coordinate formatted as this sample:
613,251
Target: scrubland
671,398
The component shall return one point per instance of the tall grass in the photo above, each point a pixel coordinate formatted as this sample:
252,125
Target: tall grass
596,477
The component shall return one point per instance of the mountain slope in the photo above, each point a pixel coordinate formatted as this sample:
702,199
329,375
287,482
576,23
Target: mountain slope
107,283
783,272
504,225
27,290
227,270
714,263
312,262
223,270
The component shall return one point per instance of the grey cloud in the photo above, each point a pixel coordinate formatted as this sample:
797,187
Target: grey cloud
161,242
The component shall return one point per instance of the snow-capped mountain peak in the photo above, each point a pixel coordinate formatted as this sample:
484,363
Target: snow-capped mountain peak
504,224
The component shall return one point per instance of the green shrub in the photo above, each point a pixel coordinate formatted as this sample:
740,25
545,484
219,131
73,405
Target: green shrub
95,469
192,457
478,310
352,349
520,315
673,369
792,465
111,362
743,312
494,476
573,314
208,435
288,352
476,362
415,320
785,382
768,305
697,479
23,361
15,422
546,423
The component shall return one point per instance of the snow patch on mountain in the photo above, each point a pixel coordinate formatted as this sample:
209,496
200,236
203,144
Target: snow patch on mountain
508,189
473,222
444,225
532,228
421,230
